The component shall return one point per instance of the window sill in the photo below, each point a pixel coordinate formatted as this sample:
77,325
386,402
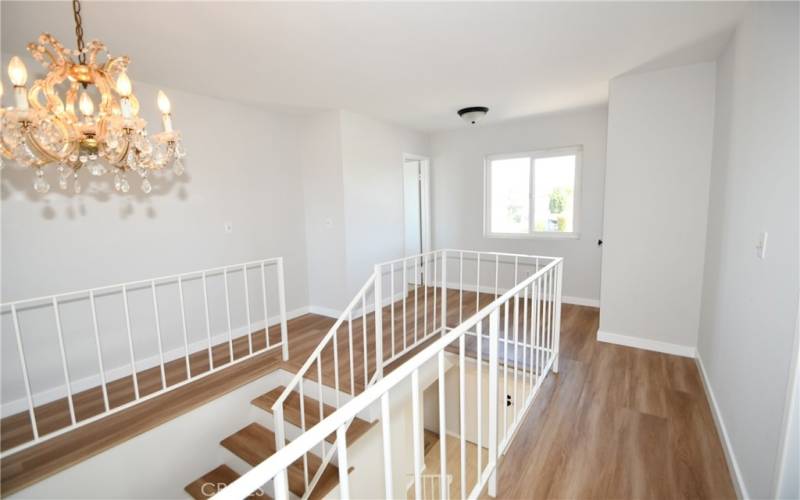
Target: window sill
534,236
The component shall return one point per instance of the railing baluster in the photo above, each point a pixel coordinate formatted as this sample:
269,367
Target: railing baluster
158,335
134,373
25,378
533,336
391,300
264,297
386,430
405,300
208,324
303,429
228,311
444,292
377,316
478,284
336,366
516,267
350,350
462,395
319,396
539,306
461,291
425,296
442,430
183,324
99,350
497,276
550,313
247,309
557,338
344,474
494,320
364,331
67,382
416,295
524,374
435,274
515,412
479,399
416,433
282,308
505,368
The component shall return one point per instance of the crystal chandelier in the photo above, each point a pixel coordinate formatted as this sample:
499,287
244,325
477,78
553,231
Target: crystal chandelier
104,137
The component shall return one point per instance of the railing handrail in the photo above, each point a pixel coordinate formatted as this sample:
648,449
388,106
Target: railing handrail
138,282
295,449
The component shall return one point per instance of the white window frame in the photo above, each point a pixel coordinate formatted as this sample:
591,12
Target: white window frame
533,156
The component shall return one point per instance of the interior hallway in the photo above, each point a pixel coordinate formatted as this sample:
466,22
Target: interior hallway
615,422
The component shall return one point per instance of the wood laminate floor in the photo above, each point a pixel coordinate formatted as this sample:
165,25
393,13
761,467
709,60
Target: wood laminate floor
615,422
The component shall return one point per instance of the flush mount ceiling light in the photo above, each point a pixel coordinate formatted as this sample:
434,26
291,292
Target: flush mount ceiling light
43,129
473,114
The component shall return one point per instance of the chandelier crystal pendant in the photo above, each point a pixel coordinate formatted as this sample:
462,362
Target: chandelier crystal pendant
83,116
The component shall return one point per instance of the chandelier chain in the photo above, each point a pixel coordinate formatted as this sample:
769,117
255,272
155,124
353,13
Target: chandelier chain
76,10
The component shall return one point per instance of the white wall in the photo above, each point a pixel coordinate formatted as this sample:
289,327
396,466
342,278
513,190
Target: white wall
659,158
323,196
457,189
749,306
372,161
242,167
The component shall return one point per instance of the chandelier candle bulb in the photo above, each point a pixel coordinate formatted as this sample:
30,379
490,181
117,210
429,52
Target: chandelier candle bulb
17,72
86,105
165,107
18,75
124,87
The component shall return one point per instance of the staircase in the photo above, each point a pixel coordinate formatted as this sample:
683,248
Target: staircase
255,443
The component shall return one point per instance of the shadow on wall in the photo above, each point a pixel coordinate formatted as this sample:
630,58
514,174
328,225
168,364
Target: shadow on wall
16,179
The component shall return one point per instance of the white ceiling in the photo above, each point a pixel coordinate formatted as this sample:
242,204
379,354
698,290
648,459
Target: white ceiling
410,63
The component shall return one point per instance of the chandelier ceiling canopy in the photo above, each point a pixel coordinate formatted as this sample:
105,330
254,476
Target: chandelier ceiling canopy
83,116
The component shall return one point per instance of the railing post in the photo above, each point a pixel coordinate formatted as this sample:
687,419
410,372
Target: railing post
282,306
444,292
378,324
494,327
281,486
557,332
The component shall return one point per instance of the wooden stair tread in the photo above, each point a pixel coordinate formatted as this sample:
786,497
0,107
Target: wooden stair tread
255,443
291,412
218,478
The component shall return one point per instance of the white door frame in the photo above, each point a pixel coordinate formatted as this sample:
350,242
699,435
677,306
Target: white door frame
425,198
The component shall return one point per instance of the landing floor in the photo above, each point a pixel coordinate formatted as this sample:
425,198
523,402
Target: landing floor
616,422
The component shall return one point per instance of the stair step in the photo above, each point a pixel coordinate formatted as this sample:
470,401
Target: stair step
255,443
291,413
210,483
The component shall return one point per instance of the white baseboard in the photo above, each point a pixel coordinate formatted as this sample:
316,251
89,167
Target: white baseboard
647,344
733,465
324,311
580,301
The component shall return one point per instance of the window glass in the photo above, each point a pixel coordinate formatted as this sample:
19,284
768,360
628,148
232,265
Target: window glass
510,195
554,191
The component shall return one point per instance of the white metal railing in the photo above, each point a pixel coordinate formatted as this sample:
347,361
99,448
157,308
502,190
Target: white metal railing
262,282
408,302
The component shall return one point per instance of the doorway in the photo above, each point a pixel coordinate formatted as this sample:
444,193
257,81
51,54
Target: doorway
416,204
